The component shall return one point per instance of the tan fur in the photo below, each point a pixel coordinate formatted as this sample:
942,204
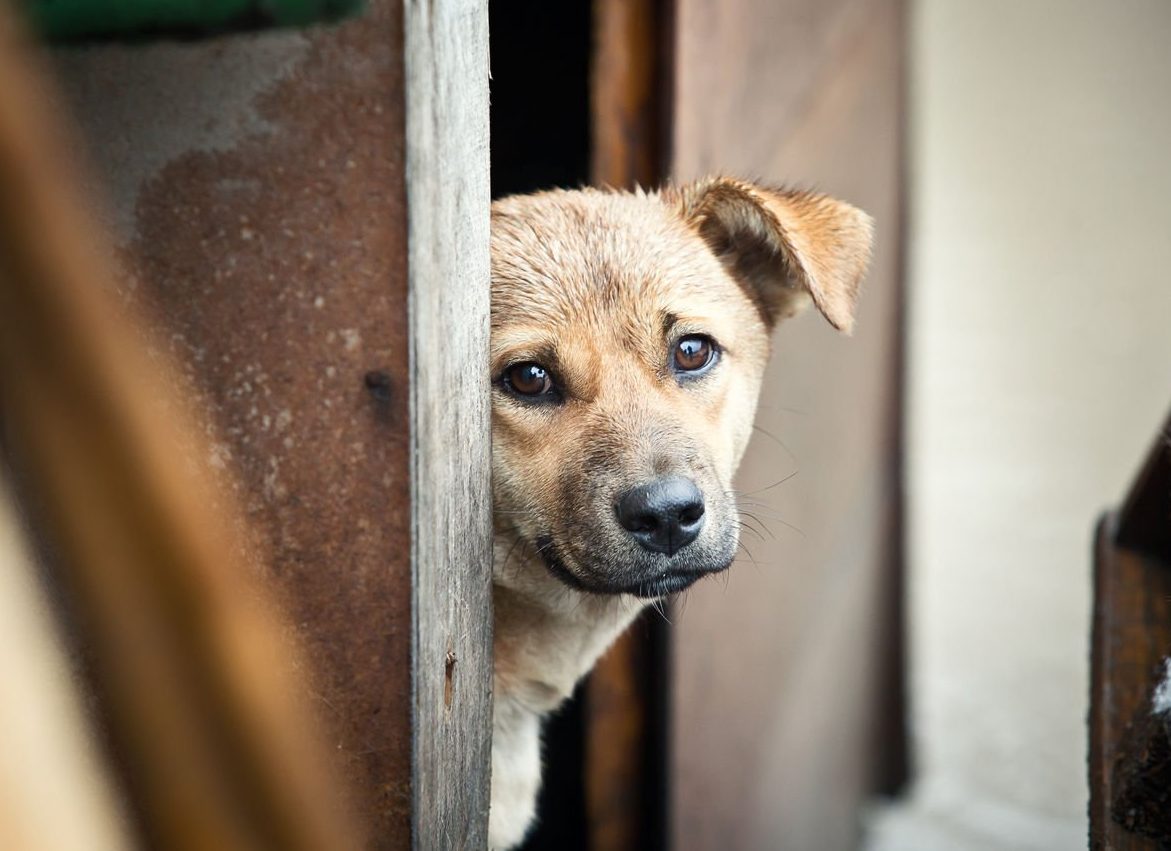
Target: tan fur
595,286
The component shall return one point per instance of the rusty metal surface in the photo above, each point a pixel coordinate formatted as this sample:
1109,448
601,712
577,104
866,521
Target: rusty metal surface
258,189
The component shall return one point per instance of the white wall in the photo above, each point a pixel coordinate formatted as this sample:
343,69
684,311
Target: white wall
1040,369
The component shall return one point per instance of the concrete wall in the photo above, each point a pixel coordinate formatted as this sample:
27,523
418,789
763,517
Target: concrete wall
1040,368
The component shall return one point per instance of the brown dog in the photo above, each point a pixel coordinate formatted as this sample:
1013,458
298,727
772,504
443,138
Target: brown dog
630,332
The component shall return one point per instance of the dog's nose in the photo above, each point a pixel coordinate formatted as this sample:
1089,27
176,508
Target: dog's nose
663,515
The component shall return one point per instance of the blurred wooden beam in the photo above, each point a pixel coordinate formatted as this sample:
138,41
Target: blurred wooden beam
630,76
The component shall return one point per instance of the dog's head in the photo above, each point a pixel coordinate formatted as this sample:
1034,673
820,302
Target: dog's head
630,332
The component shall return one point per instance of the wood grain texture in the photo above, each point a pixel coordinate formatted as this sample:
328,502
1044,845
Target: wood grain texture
785,681
446,55
1131,638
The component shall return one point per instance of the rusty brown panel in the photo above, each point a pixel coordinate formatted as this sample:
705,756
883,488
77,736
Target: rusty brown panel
258,186
780,677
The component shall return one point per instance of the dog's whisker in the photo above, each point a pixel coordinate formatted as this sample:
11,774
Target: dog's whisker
745,528
759,508
741,501
773,516
508,556
775,439
775,484
759,529
659,606
754,503
789,525
751,557
762,524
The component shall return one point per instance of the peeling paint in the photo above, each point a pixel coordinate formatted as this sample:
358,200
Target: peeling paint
145,105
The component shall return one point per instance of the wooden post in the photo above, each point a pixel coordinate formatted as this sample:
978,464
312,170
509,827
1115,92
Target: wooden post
451,503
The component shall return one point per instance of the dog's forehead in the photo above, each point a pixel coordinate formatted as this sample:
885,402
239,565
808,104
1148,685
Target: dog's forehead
557,253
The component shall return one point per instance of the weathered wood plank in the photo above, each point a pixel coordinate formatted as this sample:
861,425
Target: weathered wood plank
786,687
446,54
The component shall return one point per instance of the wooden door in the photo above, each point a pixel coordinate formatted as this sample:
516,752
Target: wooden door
786,695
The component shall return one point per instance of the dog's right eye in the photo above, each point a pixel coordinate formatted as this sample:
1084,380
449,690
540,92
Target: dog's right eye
529,380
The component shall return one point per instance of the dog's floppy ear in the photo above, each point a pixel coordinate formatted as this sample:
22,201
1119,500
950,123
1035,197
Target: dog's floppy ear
784,247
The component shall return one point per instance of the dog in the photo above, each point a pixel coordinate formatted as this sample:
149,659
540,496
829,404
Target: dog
629,337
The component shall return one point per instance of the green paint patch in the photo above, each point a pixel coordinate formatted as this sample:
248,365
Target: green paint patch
84,20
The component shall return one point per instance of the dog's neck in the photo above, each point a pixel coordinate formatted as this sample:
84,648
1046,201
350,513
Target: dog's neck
548,635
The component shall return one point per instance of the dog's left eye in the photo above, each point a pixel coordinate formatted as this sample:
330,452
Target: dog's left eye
530,380
694,353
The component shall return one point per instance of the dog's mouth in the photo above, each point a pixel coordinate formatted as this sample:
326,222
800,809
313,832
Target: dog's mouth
668,581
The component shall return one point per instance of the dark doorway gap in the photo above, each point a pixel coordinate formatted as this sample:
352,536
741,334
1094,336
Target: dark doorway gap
540,124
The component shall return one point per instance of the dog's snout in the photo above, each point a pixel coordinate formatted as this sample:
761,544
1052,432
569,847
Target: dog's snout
663,515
